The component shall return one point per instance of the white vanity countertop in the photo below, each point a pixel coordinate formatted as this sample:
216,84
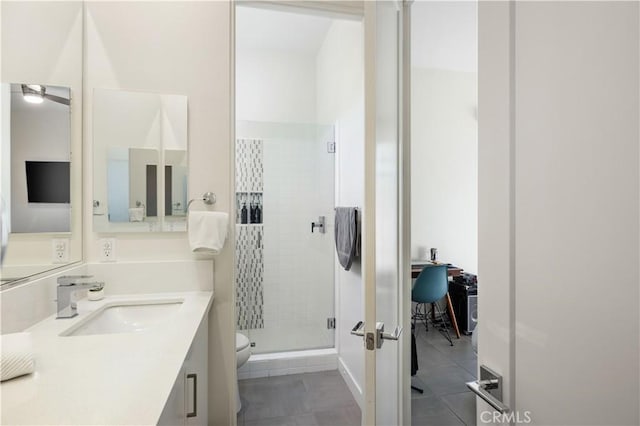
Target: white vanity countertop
122,378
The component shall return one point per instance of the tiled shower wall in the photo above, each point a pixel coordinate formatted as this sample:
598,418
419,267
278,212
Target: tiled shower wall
249,277
249,251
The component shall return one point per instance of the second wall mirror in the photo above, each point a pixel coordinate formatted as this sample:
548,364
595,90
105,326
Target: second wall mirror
139,161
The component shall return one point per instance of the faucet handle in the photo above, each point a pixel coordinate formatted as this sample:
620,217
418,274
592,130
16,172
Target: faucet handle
67,280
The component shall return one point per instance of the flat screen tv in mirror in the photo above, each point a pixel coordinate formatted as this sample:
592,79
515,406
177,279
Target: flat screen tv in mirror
36,183
48,182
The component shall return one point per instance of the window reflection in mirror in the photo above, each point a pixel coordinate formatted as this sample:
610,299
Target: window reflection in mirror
140,161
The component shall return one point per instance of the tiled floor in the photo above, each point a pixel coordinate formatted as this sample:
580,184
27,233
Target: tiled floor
442,373
322,398
311,399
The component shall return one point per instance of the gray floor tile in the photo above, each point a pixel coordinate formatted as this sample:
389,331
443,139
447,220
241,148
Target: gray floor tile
446,419
431,358
306,420
419,383
428,406
323,379
463,405
446,380
443,372
274,421
345,416
303,400
470,365
322,399
261,401
292,398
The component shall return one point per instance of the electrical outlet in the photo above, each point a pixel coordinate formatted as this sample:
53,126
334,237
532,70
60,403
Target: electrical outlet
108,248
60,250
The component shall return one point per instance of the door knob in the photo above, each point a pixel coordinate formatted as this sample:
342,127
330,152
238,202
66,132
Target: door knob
382,335
489,388
358,329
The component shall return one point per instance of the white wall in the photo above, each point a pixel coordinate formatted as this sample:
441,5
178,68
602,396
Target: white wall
46,51
340,76
174,48
444,166
277,85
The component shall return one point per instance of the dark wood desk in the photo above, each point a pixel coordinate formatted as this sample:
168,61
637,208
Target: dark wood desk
452,271
416,268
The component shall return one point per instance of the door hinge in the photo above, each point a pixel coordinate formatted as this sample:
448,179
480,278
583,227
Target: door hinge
331,323
331,147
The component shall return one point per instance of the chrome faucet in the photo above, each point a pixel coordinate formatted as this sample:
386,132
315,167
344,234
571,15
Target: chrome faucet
69,284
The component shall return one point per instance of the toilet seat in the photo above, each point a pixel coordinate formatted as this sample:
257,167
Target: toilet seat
242,342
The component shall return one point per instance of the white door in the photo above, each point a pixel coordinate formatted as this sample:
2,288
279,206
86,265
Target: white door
558,227
384,236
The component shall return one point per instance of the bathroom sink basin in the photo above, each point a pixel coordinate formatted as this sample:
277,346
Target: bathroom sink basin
126,317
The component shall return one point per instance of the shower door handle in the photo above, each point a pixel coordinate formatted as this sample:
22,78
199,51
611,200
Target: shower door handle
319,224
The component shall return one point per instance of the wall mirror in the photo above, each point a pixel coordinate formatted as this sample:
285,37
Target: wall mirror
139,161
35,177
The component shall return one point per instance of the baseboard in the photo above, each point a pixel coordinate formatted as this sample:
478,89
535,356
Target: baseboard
353,386
285,363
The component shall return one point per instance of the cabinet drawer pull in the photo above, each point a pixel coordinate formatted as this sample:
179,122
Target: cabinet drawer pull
194,376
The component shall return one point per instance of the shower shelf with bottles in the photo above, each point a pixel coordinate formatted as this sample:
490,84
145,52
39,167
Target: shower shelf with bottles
249,208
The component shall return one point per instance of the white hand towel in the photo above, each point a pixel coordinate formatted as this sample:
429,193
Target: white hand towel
207,231
17,355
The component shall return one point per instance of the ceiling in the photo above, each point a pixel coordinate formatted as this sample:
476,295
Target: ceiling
443,33
258,28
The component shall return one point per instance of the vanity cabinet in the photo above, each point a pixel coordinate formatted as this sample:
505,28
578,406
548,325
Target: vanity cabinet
187,402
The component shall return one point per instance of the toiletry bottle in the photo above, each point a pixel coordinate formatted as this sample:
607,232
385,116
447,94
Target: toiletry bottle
258,214
252,213
243,213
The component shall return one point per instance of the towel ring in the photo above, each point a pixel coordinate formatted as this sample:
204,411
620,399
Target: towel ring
209,198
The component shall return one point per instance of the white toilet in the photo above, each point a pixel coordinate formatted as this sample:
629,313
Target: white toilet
243,352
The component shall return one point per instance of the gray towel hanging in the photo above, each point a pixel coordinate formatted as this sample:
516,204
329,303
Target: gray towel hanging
346,235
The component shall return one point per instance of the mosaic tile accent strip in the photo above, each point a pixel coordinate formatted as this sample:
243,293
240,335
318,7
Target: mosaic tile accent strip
249,165
249,277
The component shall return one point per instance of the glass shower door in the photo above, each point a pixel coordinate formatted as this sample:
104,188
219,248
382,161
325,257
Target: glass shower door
284,265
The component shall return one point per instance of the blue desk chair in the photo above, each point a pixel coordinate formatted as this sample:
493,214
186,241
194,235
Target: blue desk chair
431,285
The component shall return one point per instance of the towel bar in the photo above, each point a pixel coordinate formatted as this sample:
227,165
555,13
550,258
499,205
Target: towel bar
209,198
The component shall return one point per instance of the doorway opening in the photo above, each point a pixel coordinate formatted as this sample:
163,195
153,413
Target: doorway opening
295,100
444,199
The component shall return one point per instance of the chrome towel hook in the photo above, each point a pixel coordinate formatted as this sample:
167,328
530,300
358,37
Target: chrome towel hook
209,198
